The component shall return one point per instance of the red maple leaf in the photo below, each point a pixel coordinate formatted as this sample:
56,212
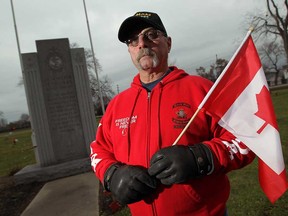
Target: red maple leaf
265,109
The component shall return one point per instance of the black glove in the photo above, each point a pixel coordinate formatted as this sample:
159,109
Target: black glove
179,163
128,184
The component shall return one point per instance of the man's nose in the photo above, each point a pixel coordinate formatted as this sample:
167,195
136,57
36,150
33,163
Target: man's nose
142,41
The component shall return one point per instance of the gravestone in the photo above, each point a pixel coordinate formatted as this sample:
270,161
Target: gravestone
61,109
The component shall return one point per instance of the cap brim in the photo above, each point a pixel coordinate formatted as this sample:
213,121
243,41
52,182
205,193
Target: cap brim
132,24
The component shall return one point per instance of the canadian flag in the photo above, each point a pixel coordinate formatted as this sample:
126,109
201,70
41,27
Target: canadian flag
241,102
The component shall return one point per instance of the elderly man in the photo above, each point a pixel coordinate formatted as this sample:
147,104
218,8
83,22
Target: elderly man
133,154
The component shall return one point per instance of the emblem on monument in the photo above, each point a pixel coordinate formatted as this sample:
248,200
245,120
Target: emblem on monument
55,60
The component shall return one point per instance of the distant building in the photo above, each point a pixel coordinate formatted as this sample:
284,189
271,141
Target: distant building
285,73
282,77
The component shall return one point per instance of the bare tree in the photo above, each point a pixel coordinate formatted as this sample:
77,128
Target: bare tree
3,121
214,71
219,66
106,89
271,53
274,23
201,71
24,117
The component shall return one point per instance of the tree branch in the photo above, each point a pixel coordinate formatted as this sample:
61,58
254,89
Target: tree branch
286,5
276,16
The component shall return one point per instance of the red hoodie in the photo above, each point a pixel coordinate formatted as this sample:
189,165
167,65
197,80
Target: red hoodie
138,123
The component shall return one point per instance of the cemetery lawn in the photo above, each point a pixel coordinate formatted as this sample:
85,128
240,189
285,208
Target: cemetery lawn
16,152
246,196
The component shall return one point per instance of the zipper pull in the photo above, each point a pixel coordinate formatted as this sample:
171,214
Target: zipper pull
148,95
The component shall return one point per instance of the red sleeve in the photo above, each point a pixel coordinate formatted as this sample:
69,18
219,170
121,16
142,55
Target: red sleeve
102,155
229,153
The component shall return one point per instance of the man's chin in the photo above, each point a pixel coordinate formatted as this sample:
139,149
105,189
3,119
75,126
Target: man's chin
145,68
147,65
144,65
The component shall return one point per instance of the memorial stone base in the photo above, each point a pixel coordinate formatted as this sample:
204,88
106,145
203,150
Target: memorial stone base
37,173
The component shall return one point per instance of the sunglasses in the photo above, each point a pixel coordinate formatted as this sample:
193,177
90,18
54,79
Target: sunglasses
150,35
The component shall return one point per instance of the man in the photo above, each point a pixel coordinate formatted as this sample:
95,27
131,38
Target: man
133,154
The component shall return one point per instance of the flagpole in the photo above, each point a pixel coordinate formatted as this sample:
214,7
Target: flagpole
186,127
94,60
212,88
17,38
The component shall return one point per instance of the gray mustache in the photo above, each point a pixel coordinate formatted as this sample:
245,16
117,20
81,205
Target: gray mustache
145,52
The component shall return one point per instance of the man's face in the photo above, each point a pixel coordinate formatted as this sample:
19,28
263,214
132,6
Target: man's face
149,49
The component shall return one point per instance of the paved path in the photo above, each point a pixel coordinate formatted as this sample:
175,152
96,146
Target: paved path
71,196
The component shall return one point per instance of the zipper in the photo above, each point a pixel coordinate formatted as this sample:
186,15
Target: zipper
148,127
154,213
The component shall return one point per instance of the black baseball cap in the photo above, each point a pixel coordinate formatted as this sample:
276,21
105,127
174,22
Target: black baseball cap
139,21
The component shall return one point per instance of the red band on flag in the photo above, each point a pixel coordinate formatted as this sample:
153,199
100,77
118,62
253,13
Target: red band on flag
277,183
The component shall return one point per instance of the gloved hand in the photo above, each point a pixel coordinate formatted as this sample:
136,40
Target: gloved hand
179,163
129,184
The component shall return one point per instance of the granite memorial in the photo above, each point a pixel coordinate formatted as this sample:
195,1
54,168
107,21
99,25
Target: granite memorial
61,109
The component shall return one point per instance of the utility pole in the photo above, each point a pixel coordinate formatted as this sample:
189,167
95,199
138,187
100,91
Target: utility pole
94,60
17,38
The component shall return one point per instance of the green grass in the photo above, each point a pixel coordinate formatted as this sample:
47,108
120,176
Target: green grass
18,155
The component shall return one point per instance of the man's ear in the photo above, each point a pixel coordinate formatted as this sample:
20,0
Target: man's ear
169,42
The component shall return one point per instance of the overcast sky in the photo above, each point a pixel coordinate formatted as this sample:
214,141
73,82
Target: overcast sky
199,29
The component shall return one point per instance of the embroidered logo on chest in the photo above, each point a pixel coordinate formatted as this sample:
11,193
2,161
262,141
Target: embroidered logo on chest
123,124
181,114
